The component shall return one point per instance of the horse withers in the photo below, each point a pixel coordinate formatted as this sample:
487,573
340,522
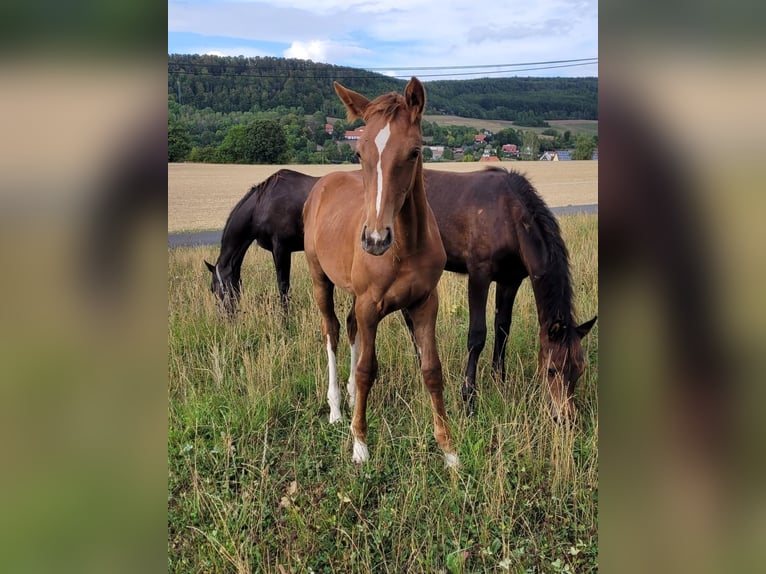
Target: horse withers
373,234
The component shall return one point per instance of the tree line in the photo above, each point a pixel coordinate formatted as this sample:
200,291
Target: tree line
275,110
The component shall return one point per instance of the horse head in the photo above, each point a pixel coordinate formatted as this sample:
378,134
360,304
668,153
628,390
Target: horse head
390,155
561,361
224,287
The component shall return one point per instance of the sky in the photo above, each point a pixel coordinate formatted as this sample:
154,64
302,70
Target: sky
431,39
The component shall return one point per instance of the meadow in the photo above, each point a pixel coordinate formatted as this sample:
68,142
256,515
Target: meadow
259,481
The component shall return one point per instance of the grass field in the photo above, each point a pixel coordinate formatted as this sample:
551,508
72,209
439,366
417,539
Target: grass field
259,481
201,196
589,127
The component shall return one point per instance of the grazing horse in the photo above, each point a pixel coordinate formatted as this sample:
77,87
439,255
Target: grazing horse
373,234
270,215
495,227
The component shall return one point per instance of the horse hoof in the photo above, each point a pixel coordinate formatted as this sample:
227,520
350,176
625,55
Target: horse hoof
451,460
335,417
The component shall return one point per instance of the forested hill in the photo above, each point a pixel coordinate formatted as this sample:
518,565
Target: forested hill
238,84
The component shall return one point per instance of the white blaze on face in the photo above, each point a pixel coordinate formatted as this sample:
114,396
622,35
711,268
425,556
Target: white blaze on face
380,142
333,392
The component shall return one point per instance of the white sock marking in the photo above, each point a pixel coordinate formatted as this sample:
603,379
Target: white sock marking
361,453
451,460
380,141
333,392
351,387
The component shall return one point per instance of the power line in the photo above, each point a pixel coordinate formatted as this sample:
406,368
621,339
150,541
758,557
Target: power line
482,66
333,71
498,71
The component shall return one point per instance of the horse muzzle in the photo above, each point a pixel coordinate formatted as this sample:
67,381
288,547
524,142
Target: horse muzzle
374,244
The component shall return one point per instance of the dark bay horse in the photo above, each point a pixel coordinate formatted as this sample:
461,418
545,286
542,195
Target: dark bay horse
372,234
271,215
495,227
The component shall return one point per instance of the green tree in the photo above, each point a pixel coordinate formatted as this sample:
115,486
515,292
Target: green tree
508,136
268,140
584,147
179,141
260,141
448,155
530,145
331,152
428,154
235,148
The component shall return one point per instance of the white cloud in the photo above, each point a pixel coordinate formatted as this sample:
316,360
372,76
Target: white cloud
315,50
324,51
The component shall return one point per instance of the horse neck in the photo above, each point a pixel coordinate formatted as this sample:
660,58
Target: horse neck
235,241
414,213
553,298
548,270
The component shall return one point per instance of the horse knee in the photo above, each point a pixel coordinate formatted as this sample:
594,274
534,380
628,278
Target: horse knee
433,379
476,339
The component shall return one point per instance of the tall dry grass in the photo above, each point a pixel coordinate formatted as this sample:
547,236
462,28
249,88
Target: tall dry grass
259,481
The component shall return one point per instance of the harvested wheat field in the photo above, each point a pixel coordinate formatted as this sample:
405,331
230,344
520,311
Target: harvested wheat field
201,196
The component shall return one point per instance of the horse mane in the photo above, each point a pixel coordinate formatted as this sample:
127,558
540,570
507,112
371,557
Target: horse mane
257,188
554,287
387,104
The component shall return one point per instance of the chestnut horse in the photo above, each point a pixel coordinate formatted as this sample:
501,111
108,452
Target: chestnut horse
373,234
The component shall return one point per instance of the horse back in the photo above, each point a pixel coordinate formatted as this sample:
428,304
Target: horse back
277,210
479,216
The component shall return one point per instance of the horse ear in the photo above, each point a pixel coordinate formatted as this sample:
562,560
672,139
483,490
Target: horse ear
585,328
355,103
210,266
415,96
556,330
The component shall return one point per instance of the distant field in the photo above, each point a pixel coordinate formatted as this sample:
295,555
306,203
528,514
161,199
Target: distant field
589,127
201,196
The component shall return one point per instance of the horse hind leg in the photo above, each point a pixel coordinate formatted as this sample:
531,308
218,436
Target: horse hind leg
282,261
478,288
505,296
323,293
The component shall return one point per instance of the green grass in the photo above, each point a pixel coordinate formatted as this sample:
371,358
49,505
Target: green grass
259,481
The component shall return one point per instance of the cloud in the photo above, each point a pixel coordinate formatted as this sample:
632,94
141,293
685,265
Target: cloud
324,51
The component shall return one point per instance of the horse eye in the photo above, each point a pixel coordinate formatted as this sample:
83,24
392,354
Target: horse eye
551,372
414,154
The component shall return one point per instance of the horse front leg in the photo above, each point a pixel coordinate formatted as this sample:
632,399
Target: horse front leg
351,330
478,288
282,261
505,296
367,321
424,331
